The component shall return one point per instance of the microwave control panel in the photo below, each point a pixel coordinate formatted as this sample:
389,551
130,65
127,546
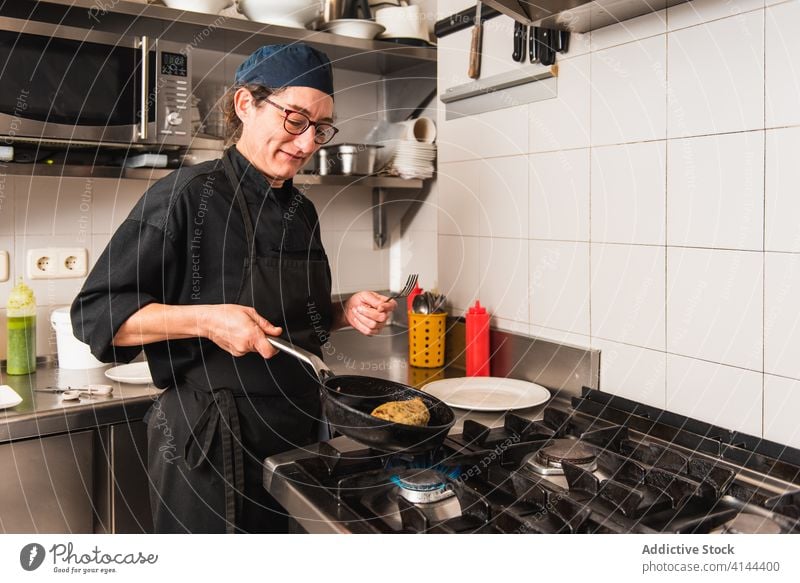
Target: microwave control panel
173,119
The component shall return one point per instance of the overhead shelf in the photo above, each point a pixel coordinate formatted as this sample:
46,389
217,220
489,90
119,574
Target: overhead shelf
214,32
577,15
80,171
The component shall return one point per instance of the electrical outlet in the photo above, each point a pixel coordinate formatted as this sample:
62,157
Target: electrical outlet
73,262
4,266
57,263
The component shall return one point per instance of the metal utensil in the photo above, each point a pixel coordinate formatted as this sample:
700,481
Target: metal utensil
547,55
475,47
517,54
533,50
411,283
437,307
87,391
104,390
420,304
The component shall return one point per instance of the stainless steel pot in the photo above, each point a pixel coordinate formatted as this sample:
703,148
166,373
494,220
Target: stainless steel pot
335,9
347,159
338,9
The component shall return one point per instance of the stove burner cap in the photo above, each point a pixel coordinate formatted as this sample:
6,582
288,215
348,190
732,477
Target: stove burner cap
547,460
747,523
569,450
422,486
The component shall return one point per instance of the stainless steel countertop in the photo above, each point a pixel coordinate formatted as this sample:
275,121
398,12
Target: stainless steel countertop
42,414
348,352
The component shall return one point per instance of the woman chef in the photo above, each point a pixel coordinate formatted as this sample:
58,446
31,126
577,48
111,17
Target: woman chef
211,261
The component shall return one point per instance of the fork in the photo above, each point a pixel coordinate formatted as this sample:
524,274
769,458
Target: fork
411,283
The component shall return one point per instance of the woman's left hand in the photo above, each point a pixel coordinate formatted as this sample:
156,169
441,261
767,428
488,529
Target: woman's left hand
368,312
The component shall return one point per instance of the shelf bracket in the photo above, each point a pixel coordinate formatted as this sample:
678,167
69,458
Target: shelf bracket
379,217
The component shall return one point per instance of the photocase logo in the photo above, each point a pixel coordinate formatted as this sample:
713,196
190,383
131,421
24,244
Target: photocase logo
31,556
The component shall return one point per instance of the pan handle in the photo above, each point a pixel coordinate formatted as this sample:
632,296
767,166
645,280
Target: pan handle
320,368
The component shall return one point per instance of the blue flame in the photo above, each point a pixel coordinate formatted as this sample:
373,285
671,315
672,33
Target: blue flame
448,473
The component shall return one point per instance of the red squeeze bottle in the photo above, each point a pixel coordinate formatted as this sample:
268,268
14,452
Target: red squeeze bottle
414,293
477,341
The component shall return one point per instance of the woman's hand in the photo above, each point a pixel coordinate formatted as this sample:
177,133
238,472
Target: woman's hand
239,330
367,312
234,328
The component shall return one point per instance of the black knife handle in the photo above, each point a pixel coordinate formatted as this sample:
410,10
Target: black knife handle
563,41
545,52
517,54
533,53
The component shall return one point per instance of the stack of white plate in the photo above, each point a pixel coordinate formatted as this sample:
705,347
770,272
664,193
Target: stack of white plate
413,159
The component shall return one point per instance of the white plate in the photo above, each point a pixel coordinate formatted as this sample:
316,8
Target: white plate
355,27
488,393
136,373
8,397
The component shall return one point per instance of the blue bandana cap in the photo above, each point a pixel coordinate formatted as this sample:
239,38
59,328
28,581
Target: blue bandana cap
294,65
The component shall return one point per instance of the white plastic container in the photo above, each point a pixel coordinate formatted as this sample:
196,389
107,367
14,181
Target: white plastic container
72,353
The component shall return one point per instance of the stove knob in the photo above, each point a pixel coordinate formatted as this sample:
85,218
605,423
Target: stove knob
174,118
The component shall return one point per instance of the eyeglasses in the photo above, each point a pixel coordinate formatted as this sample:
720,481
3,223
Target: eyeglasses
297,123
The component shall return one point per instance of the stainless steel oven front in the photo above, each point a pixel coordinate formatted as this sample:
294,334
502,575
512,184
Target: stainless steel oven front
73,85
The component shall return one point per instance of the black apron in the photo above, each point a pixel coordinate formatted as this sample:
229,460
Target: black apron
209,435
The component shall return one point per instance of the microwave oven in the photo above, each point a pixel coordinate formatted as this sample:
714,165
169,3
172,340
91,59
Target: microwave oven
80,86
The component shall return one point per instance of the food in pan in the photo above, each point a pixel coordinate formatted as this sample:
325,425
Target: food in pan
411,412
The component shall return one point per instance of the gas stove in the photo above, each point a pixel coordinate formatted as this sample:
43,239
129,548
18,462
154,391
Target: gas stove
595,464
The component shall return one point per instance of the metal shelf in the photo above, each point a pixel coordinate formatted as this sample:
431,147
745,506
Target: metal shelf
214,32
158,173
365,181
378,185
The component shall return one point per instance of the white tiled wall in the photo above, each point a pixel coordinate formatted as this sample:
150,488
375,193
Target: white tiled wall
346,225
660,195
49,211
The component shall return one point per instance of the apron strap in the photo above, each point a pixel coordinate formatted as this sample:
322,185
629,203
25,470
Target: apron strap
242,204
220,417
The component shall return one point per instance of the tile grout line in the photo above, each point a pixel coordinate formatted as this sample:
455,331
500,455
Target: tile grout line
666,207
589,194
617,144
764,236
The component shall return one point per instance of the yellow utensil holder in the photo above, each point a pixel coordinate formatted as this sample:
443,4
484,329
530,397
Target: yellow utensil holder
419,377
426,339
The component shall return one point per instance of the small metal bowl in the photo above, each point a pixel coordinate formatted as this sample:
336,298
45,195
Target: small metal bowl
347,160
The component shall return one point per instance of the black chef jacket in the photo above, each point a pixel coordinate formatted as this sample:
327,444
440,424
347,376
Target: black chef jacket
183,243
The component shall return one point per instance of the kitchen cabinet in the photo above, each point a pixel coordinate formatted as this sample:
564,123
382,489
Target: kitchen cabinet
91,481
77,467
121,484
47,485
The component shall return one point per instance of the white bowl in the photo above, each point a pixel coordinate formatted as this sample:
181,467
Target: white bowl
206,6
355,27
291,13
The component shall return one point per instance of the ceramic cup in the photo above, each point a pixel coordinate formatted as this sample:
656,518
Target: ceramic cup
403,22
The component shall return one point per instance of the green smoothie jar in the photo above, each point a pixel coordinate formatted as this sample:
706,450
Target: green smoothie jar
21,312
